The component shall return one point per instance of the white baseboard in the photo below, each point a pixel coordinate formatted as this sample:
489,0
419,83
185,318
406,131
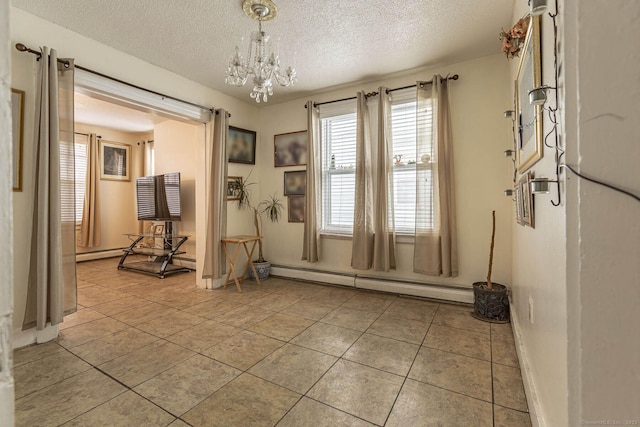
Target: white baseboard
535,410
90,256
31,336
425,290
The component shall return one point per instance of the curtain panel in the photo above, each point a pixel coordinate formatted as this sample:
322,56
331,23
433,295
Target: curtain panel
51,287
312,208
216,195
435,250
89,236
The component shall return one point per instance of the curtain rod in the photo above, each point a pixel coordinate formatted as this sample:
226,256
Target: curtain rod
22,48
315,104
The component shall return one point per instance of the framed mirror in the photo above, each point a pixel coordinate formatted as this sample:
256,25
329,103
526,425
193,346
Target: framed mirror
529,148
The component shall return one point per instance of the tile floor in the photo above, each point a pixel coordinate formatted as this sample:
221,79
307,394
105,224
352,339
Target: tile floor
147,352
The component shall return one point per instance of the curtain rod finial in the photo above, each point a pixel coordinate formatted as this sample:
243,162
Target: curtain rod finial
21,47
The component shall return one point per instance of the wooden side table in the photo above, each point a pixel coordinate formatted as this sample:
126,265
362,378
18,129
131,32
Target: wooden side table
240,242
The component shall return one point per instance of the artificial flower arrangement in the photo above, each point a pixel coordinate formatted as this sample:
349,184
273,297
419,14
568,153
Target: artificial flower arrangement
513,39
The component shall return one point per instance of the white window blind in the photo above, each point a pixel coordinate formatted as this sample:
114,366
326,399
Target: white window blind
338,138
410,165
79,176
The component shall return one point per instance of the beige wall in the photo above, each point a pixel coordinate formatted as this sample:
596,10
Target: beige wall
34,32
480,135
117,199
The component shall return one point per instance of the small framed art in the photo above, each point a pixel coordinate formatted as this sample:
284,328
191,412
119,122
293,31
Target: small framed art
233,187
290,149
296,208
17,121
295,183
115,161
241,146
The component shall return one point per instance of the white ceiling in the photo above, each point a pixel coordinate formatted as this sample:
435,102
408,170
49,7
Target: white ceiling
335,42
95,112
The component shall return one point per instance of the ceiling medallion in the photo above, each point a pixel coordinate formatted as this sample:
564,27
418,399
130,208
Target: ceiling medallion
260,62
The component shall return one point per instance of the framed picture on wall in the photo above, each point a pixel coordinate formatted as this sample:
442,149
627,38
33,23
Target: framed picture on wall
529,147
115,161
295,183
296,208
527,200
233,187
241,146
17,122
290,149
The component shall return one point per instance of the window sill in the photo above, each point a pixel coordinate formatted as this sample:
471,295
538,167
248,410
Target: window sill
400,238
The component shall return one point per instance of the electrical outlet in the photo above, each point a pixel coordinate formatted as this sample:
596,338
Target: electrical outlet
531,310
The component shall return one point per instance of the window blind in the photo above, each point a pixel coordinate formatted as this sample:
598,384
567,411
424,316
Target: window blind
73,170
338,136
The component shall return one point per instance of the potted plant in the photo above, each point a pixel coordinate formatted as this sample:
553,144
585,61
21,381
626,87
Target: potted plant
270,206
490,300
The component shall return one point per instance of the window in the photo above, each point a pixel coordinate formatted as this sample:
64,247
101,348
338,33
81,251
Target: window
73,175
338,139
412,162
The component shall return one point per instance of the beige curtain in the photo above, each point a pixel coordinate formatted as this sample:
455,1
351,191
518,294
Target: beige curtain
362,243
51,288
311,241
384,253
216,199
436,250
90,227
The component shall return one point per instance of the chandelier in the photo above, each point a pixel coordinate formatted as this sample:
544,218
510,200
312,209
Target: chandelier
261,62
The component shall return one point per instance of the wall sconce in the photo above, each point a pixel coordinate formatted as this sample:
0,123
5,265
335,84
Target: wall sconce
538,95
540,185
508,192
508,153
509,114
537,7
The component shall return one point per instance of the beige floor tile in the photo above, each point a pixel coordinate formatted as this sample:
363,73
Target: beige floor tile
332,295
66,400
426,405
118,306
299,290
358,390
39,374
86,332
309,309
281,326
502,330
117,280
137,367
373,302
203,335
412,309
178,423
243,350
274,302
508,388
350,318
244,316
112,346
94,295
505,417
34,352
460,341
246,401
170,324
330,339
503,351
213,307
412,331
144,313
81,316
383,353
453,372
309,413
455,316
182,387
127,409
293,367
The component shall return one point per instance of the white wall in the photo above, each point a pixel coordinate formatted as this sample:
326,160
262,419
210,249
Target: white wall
603,274
6,253
34,32
480,135
539,276
117,203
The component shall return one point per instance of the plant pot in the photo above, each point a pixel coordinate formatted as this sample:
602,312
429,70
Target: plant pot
490,305
262,268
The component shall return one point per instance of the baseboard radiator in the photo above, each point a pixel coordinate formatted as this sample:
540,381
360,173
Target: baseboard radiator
397,286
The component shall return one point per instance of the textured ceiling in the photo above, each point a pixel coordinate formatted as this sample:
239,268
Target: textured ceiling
333,42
